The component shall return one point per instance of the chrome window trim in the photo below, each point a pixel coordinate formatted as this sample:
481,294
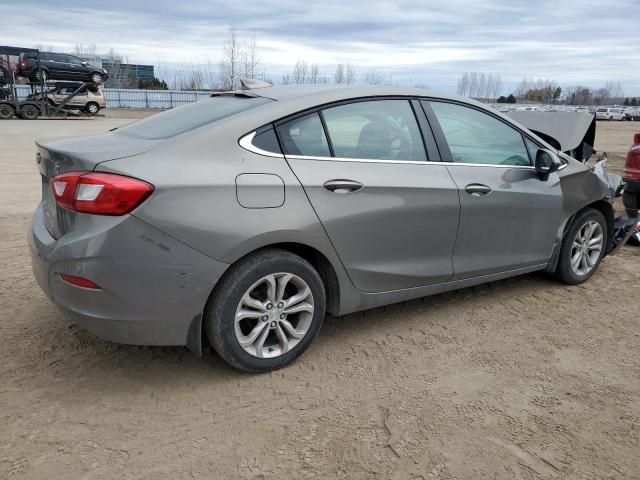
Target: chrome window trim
404,162
245,142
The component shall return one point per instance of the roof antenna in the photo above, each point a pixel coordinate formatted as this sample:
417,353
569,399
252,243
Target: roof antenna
252,84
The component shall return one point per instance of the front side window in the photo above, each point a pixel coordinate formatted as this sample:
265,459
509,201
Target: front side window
304,136
476,137
74,60
380,129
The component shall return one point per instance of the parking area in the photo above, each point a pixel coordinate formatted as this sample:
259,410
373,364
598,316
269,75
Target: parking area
521,379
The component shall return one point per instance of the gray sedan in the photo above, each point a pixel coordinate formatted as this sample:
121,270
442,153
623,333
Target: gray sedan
242,219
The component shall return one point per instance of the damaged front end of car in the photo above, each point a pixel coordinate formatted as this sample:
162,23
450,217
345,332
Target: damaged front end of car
624,227
573,135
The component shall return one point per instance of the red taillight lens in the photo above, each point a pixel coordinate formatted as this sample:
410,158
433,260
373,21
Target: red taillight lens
23,63
99,193
79,281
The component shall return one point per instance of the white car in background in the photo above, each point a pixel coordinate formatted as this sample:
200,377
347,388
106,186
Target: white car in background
609,114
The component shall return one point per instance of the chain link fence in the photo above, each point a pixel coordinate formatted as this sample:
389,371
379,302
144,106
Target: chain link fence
131,98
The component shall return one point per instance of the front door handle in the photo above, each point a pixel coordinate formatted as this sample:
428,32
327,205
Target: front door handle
477,189
342,186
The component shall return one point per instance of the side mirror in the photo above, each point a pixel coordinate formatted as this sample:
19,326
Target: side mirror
85,63
546,163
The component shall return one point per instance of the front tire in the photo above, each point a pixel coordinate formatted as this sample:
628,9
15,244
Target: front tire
583,247
266,311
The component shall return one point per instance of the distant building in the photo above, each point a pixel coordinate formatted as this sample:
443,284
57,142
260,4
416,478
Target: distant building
123,74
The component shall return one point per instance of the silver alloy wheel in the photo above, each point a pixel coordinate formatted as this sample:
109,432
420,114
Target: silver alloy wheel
93,108
96,78
274,315
586,248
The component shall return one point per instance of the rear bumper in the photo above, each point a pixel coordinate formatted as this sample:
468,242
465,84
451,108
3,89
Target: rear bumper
153,287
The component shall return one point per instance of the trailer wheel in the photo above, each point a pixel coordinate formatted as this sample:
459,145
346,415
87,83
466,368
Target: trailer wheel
92,108
6,112
29,112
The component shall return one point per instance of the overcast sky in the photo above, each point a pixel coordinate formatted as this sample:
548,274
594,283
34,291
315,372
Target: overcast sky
572,42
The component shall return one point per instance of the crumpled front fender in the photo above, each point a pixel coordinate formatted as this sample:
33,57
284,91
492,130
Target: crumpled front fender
623,227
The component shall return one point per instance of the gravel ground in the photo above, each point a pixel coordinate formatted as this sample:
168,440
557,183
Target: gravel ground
520,379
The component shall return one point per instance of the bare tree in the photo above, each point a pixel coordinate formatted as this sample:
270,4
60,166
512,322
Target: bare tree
338,77
349,74
616,92
300,71
250,59
230,64
286,79
314,74
374,78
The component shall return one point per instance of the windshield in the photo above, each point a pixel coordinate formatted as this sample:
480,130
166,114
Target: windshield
182,119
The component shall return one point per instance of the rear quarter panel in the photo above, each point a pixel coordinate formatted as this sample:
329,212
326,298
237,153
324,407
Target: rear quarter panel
195,199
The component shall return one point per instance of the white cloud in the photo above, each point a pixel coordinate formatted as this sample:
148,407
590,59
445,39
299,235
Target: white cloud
585,42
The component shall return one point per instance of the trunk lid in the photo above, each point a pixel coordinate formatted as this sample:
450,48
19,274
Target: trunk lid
56,156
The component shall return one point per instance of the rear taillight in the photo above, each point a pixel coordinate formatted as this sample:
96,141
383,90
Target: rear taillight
632,164
23,63
99,193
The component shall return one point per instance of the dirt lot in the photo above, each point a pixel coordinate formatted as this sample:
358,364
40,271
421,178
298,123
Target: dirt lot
520,379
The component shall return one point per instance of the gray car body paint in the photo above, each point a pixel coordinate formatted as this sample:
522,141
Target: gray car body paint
387,243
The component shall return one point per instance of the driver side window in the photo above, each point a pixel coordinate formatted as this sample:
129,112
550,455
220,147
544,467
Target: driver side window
476,137
380,130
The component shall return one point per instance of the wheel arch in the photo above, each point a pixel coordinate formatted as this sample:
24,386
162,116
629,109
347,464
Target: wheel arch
196,335
606,209
317,259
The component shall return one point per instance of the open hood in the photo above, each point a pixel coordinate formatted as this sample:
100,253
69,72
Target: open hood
573,133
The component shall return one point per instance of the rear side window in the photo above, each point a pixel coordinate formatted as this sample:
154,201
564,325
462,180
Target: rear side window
379,129
266,140
602,110
476,137
188,117
304,136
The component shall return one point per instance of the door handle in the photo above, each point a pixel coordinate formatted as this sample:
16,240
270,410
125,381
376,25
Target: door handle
342,186
477,189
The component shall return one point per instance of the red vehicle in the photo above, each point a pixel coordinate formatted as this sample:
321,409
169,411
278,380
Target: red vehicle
631,176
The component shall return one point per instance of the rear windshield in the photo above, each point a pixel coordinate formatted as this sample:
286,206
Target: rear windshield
182,119
602,110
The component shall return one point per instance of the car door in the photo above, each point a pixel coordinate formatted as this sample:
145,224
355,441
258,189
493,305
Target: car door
76,68
391,215
509,217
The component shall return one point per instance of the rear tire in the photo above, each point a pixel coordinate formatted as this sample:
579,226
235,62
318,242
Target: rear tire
29,112
6,112
265,296
585,242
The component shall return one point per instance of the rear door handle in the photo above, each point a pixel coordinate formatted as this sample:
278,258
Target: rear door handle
342,186
477,189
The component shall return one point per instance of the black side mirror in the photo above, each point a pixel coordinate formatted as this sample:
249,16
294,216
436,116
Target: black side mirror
546,163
